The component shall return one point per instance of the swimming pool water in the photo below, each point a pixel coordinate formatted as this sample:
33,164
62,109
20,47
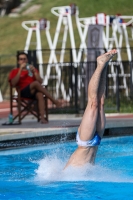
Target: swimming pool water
36,173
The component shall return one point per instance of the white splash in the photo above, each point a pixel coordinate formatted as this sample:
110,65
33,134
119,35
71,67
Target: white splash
51,170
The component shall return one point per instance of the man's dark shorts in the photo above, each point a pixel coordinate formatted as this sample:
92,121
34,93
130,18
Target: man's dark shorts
27,94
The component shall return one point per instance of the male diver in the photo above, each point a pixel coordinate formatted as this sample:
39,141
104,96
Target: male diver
92,126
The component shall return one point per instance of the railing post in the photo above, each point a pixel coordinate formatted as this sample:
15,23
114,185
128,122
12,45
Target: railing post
70,75
117,89
76,88
131,80
82,99
107,83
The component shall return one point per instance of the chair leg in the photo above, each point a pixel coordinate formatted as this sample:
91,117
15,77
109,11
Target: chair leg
19,107
11,101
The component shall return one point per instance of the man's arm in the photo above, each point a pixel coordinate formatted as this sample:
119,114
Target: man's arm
15,80
38,78
36,74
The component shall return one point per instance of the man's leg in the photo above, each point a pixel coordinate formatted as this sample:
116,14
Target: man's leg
100,125
96,95
101,120
41,107
36,86
88,125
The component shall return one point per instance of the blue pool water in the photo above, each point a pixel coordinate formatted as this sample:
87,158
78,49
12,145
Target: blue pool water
36,173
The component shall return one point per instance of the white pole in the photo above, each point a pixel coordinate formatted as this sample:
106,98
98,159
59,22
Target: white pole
1,98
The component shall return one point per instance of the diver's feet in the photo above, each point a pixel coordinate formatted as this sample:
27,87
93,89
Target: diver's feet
103,59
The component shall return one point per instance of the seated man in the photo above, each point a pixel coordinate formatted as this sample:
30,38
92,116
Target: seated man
28,79
92,125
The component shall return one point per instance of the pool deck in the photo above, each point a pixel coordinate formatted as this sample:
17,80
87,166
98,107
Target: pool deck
60,125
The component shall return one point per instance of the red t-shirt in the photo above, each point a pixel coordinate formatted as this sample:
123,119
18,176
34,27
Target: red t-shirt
24,80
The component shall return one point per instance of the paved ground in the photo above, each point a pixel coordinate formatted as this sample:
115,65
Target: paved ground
58,124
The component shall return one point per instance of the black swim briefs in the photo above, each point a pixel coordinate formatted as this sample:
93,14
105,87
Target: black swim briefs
27,94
